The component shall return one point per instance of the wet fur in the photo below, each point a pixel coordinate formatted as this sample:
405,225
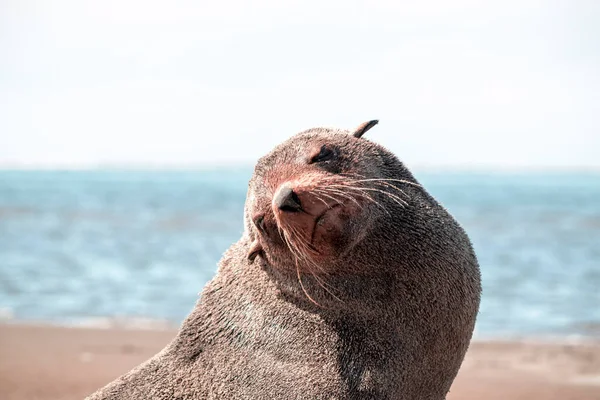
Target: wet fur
390,314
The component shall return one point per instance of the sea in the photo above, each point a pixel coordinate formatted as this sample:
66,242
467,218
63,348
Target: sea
93,247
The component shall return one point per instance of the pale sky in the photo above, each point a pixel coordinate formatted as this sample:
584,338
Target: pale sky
454,83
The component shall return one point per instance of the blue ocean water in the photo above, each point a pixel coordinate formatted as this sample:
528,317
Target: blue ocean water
75,245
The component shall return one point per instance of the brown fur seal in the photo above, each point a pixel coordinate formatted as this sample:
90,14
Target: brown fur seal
349,282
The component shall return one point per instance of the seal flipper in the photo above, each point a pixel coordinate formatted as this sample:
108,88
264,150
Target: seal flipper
255,249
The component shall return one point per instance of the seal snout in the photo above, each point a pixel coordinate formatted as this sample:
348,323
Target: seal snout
287,200
298,202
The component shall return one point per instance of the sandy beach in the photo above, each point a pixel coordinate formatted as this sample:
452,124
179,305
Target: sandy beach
44,362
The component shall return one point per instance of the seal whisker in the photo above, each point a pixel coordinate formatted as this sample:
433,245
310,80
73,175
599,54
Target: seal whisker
281,233
363,193
397,199
389,180
324,193
311,262
304,249
300,253
302,286
294,247
348,186
387,184
394,197
291,244
319,197
384,182
325,286
307,247
328,288
340,193
361,177
320,282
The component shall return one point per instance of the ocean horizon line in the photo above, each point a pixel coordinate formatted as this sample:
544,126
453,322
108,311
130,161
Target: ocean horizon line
226,166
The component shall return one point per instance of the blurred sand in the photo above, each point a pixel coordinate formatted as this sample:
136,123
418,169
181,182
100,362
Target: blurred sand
41,362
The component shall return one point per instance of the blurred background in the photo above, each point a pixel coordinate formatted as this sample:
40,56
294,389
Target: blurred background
129,129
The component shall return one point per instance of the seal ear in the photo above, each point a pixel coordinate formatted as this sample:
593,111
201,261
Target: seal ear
364,127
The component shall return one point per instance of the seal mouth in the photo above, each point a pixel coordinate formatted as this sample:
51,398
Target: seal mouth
320,217
331,207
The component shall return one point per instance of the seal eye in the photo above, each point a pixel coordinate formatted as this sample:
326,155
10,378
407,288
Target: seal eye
325,154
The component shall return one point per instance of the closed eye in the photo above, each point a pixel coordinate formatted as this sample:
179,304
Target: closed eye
325,154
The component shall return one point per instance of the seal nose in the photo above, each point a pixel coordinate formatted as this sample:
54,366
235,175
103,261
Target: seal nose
286,200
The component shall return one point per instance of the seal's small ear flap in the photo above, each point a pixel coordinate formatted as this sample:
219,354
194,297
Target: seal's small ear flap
364,127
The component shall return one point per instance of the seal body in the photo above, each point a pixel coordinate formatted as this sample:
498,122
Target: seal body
349,282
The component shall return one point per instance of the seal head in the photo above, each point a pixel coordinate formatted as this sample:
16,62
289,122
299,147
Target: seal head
317,195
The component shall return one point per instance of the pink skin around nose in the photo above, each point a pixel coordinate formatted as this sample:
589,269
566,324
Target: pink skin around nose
311,208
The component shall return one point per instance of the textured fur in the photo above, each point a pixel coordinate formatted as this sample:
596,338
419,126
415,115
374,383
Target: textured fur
395,318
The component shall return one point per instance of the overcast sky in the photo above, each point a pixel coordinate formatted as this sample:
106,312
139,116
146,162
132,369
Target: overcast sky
453,83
